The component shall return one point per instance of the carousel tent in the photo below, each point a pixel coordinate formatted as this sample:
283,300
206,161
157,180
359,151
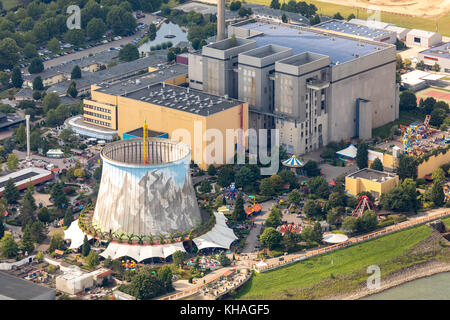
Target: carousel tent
335,238
75,234
349,152
293,162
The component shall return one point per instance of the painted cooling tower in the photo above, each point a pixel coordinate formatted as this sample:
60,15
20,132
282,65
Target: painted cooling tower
146,196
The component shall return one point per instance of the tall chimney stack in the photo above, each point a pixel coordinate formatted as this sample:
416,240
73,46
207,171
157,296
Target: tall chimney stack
220,20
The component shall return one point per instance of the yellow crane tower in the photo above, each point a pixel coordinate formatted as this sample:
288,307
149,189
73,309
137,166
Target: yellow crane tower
145,142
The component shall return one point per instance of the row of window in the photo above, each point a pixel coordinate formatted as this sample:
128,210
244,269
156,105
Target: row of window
97,108
98,115
97,122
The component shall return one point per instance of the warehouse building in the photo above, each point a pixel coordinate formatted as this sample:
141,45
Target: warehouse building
439,55
314,87
423,38
373,181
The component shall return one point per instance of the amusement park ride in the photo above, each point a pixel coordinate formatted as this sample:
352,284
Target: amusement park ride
413,134
364,203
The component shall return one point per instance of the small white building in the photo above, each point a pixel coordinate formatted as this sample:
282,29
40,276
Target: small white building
75,281
437,55
422,38
401,32
55,153
417,80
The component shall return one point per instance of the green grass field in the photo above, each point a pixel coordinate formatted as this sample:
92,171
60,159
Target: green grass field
329,9
337,272
8,4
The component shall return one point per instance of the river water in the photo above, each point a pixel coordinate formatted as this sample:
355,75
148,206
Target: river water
435,287
166,29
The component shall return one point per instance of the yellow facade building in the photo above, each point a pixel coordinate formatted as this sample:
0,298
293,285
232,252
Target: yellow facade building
373,181
197,118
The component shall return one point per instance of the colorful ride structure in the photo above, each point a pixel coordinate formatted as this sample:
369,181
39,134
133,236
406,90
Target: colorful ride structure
290,227
231,192
413,134
364,203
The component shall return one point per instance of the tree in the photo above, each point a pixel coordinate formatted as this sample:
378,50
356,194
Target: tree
57,242
336,199
36,66
275,4
120,20
27,241
68,217
408,101
284,18
98,173
266,187
350,17
407,167
205,186
212,170
11,193
437,194
223,259
225,176
362,156
311,168
274,219
2,227
58,196
9,53
438,175
312,209
218,202
437,117
270,238
178,257
436,67
53,45
37,83
96,28
294,197
238,211
44,215
367,222
76,73
85,247
72,89
317,232
30,50
402,198
313,20
74,37
8,246
349,225
93,259
16,77
27,209
319,187
129,53
12,162
377,165
50,101
428,105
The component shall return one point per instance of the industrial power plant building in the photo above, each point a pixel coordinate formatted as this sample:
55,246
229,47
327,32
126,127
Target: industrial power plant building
314,86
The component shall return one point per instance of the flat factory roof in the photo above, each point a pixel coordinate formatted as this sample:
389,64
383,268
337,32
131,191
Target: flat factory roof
339,49
373,175
351,28
136,83
442,51
24,176
183,99
13,288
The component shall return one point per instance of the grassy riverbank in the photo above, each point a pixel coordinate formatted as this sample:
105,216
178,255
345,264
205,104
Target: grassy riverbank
344,271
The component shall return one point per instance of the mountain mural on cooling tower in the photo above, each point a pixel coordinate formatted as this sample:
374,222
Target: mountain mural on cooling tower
155,205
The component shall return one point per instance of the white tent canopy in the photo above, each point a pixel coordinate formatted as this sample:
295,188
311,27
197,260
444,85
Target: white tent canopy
141,252
349,152
75,235
334,238
261,264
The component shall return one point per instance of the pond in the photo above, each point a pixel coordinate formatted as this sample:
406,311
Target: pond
167,32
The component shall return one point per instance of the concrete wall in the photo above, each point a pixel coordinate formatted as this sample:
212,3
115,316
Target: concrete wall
195,69
432,163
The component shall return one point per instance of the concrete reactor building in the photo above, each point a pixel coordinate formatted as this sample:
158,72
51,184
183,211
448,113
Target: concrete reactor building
315,86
